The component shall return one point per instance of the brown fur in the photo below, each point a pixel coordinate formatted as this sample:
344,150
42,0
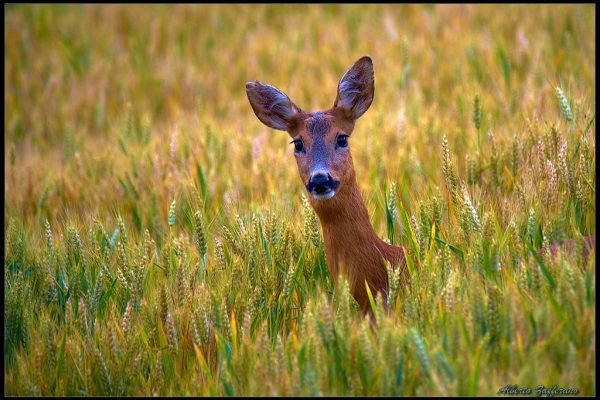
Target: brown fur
352,247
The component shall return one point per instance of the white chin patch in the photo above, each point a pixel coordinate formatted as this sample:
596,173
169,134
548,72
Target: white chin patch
322,196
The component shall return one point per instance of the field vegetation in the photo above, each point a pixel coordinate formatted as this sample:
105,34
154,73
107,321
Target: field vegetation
157,237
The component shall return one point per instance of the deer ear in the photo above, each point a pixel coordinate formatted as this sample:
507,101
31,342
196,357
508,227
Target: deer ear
356,89
272,106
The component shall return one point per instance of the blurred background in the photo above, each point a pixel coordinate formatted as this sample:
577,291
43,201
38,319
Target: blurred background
93,91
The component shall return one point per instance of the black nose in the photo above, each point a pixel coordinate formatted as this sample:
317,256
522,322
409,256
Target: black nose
320,179
320,183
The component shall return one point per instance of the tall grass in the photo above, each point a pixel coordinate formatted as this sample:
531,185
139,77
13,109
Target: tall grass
157,240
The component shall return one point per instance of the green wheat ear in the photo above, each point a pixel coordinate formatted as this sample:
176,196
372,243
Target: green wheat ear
289,280
49,241
311,223
449,173
172,213
564,105
122,230
125,324
531,225
477,112
421,352
171,334
391,211
200,235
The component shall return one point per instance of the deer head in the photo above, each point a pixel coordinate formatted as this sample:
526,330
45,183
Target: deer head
321,138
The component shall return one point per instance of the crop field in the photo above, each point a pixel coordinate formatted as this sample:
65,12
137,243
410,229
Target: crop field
158,239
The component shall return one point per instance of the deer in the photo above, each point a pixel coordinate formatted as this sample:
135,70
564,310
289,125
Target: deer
321,149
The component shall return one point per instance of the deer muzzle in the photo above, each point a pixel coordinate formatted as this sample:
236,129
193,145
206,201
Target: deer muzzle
321,185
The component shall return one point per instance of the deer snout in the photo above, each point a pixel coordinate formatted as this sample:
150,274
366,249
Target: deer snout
321,185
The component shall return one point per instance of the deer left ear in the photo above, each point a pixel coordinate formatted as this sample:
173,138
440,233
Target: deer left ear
356,89
272,106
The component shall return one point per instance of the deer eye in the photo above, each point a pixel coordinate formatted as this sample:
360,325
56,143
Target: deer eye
342,141
298,145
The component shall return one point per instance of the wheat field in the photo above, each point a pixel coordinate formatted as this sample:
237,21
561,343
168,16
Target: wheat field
157,236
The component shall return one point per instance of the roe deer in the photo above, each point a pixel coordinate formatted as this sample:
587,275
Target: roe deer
321,149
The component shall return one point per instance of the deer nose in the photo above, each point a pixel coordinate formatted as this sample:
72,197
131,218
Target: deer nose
320,182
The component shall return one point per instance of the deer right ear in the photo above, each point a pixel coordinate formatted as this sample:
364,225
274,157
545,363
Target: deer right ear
272,106
356,89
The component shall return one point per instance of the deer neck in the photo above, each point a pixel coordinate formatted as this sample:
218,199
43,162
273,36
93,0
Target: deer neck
345,210
350,239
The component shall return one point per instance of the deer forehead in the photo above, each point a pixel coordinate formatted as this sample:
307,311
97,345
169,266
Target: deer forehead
319,125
